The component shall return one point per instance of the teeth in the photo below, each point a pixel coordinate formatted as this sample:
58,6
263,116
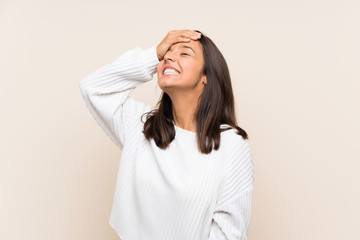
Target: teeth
171,71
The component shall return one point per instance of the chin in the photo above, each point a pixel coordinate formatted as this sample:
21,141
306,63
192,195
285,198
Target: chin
167,86
168,81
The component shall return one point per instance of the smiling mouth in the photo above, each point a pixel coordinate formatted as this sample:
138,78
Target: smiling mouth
170,75
170,72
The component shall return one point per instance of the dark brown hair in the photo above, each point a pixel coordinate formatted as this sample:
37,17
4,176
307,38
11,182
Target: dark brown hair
215,106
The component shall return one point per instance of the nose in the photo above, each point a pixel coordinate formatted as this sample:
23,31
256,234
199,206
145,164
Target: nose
168,56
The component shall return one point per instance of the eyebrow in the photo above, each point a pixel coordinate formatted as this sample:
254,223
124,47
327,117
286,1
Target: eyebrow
184,46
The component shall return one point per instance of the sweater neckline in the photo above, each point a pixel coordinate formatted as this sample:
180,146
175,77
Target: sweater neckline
185,132
182,131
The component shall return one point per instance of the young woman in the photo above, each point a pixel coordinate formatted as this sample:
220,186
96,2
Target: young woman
186,170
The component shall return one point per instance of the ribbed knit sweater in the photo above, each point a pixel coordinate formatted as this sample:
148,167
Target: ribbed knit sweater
176,193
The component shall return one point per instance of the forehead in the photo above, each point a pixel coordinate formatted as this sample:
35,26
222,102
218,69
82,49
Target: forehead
194,44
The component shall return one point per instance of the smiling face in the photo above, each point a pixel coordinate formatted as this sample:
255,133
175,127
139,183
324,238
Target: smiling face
187,59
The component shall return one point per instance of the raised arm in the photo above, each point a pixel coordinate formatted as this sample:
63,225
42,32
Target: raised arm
105,91
231,218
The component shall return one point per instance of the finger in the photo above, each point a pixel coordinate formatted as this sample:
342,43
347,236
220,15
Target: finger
189,36
183,37
193,36
194,33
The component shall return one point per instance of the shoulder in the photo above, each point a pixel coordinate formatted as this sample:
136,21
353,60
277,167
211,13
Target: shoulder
231,136
236,148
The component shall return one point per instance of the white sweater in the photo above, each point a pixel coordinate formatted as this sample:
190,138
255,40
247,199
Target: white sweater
172,194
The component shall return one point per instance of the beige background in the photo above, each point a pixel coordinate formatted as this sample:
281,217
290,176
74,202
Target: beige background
295,72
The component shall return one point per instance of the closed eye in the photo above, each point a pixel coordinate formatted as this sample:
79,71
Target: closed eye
185,54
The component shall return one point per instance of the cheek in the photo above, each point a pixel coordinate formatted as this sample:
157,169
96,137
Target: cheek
191,71
159,67
190,76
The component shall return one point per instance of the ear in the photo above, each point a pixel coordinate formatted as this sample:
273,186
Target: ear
204,79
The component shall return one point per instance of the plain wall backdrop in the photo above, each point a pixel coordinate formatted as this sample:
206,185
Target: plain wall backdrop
295,72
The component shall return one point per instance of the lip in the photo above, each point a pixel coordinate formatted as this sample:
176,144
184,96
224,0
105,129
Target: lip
171,67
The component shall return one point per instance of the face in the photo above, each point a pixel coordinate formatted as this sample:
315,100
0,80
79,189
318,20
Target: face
187,59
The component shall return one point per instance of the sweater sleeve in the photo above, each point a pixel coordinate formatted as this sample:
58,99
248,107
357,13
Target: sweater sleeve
105,92
232,213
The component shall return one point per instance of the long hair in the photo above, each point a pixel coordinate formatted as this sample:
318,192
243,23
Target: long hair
215,106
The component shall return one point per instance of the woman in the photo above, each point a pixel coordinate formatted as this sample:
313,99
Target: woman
186,170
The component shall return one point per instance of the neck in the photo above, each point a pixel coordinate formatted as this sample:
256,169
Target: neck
184,107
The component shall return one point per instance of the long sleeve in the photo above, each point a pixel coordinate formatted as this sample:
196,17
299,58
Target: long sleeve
105,92
231,217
